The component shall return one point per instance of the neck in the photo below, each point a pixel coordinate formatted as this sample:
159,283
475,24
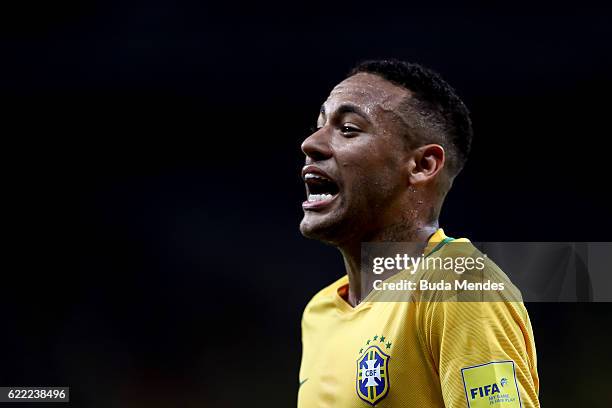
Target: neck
360,281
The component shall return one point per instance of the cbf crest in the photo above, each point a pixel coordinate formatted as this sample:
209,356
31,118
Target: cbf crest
372,378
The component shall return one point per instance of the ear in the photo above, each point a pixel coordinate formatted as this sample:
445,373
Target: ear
426,162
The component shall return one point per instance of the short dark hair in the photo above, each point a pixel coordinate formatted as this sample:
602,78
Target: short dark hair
445,114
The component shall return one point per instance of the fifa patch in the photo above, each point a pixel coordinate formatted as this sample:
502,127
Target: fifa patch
372,378
491,385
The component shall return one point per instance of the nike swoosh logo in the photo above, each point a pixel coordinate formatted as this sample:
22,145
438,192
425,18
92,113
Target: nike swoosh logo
302,382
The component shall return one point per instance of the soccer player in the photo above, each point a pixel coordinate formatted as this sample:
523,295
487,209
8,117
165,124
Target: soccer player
390,139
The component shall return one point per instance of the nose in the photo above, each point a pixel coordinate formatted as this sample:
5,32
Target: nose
316,146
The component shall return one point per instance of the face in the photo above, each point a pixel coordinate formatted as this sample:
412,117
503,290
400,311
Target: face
353,170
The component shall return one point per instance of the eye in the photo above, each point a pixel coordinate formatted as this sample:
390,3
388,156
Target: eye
347,129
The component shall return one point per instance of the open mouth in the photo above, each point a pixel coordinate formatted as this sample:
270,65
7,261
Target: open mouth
320,189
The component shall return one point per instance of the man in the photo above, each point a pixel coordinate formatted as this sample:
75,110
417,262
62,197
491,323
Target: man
390,140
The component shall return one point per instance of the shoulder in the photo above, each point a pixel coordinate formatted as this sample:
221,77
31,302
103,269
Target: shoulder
479,289
326,295
472,275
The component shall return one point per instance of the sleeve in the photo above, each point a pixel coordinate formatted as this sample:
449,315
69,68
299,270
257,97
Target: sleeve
484,353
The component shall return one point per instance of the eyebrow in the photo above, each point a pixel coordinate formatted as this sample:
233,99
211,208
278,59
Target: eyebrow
348,108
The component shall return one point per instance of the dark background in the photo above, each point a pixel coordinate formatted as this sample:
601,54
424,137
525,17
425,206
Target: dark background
150,155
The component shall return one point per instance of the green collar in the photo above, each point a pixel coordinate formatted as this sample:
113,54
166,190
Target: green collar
440,245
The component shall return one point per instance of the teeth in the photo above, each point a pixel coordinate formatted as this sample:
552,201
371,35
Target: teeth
319,197
313,176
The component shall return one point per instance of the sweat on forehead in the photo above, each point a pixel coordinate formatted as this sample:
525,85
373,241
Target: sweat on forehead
368,90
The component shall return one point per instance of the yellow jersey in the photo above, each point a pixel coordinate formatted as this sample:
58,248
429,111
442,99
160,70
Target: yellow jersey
417,353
